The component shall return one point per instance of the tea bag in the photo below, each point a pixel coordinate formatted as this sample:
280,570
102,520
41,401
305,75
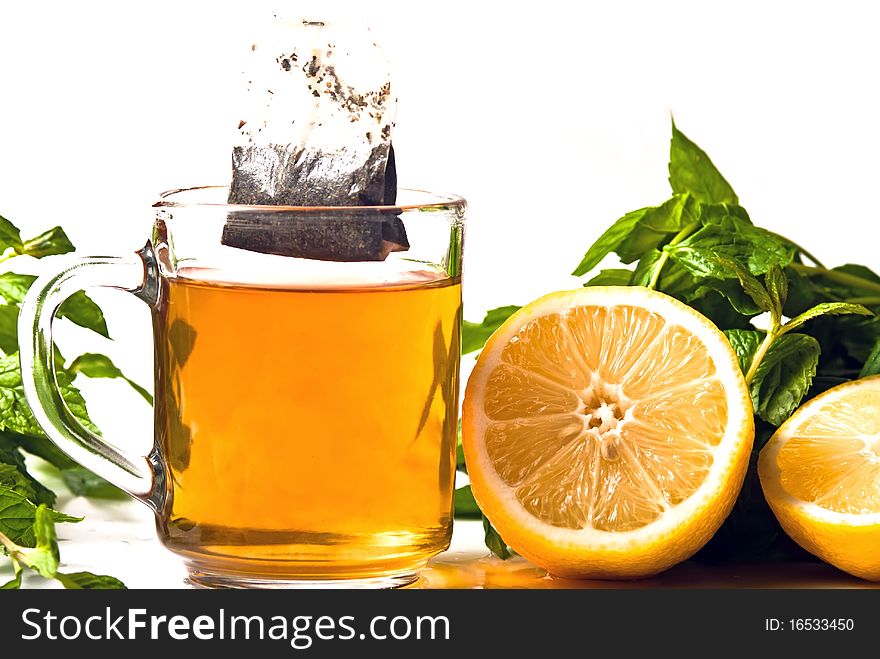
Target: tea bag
316,131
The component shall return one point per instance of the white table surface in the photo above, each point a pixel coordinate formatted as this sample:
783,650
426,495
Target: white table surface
118,537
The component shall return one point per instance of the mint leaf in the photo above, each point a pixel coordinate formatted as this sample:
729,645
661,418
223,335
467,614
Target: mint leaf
611,277
33,490
89,581
720,311
38,446
15,582
10,236
48,243
714,212
847,283
776,282
81,310
93,365
862,272
656,226
83,483
644,271
850,280
13,286
721,300
731,290
13,479
857,334
751,286
475,335
672,215
459,453
17,516
827,309
16,415
44,557
872,364
8,328
691,171
803,293
745,344
784,377
731,239
74,401
494,542
464,504
847,342
640,231
609,241
678,282
39,552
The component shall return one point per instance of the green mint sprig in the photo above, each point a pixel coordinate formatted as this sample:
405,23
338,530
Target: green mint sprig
27,532
42,556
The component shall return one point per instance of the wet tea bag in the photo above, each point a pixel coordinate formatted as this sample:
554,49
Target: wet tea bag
316,131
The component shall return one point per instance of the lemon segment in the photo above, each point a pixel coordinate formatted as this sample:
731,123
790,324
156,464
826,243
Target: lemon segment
820,473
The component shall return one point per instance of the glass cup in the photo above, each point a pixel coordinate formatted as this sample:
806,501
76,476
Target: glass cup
305,409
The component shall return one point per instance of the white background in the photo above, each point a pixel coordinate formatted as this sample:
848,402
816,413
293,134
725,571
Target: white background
551,118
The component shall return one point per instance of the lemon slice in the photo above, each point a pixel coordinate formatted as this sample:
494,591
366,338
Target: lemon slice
820,473
607,431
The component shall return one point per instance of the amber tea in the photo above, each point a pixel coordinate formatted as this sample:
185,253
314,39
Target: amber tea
305,408
308,433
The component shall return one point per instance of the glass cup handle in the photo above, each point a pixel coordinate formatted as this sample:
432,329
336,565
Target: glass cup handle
142,476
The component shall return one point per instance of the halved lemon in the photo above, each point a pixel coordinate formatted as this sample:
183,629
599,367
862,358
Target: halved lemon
607,431
820,473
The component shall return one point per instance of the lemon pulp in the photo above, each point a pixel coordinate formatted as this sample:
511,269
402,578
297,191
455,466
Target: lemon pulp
603,417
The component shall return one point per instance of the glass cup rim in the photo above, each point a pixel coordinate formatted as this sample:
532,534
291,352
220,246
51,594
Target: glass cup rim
437,202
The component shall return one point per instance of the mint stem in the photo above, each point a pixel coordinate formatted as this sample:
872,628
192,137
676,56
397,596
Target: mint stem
11,548
836,275
759,355
664,255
